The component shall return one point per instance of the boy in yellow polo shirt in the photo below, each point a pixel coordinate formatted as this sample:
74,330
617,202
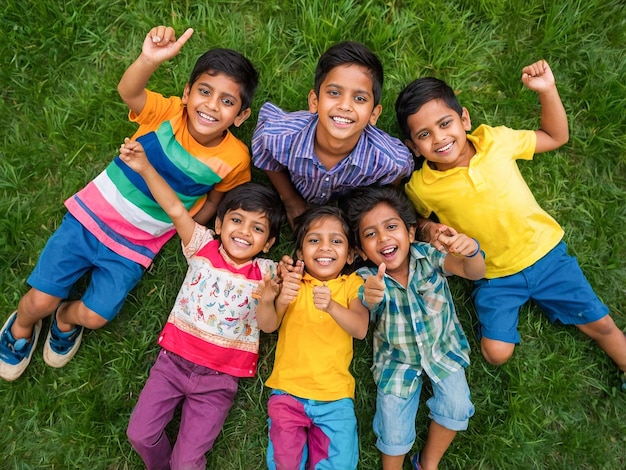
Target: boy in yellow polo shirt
472,182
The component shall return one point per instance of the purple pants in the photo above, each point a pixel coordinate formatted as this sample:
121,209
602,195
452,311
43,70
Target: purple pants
205,396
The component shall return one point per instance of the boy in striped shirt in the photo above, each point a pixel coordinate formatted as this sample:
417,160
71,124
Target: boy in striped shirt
114,227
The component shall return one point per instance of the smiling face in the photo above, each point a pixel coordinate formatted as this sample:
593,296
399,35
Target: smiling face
325,249
438,133
244,234
345,105
385,238
213,105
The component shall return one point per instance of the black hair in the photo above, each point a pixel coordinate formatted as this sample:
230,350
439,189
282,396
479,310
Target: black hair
254,197
346,53
233,64
361,200
418,93
313,213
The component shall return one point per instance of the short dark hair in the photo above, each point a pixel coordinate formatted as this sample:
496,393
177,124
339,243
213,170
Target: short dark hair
254,197
349,52
233,64
360,201
313,213
418,93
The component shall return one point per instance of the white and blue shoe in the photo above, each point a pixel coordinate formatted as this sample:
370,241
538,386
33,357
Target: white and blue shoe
15,354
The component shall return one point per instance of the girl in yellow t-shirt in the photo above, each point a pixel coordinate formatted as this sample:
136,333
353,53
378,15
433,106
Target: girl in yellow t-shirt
318,312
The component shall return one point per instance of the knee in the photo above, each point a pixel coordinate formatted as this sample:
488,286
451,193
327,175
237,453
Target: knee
496,352
38,303
599,328
78,313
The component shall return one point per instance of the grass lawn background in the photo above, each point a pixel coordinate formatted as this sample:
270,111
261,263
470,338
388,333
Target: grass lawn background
554,405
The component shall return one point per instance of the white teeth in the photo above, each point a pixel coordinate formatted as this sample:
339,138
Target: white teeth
445,148
242,241
324,260
388,251
341,120
206,116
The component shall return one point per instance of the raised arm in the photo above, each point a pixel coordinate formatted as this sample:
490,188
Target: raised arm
132,153
464,257
293,202
269,317
554,130
159,45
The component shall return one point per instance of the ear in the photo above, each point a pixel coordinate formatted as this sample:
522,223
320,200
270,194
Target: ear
186,94
465,119
412,230
412,147
242,116
218,226
361,254
313,102
298,255
378,109
350,257
269,244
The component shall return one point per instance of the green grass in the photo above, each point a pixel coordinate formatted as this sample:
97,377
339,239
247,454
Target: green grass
553,405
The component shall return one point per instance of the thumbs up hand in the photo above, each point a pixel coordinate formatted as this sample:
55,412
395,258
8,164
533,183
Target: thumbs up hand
374,287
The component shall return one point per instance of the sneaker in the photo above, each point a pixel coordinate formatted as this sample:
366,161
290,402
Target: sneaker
60,346
415,462
15,354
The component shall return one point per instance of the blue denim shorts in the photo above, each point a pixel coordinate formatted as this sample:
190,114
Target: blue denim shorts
555,283
72,252
394,421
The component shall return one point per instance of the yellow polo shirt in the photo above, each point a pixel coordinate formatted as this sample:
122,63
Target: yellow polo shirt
490,201
313,352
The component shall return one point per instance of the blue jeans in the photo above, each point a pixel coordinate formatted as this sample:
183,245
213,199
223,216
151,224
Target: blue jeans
394,421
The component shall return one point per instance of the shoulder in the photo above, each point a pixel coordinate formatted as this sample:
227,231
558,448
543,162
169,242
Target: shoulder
384,142
273,119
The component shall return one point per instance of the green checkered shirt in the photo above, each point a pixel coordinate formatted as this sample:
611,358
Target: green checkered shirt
416,329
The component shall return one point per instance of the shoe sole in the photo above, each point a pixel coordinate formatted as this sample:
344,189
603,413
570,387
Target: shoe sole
57,360
10,372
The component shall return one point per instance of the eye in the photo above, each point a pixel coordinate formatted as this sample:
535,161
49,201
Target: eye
337,241
423,135
312,240
360,99
445,124
259,229
333,93
368,234
204,91
392,226
228,102
235,220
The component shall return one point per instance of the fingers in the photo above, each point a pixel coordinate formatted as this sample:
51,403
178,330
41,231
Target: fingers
382,268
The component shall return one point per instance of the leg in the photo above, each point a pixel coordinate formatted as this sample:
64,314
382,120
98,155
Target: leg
394,426
333,441
209,397
154,409
32,307
609,337
288,430
496,352
450,411
497,303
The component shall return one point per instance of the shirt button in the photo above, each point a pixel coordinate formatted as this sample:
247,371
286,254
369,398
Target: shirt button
327,178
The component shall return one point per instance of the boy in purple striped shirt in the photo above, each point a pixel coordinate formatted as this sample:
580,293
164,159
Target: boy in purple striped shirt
316,156
114,227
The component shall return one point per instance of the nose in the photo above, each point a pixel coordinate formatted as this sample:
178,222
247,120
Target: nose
345,103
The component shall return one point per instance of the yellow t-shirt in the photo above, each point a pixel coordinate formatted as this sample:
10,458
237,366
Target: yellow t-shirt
490,201
313,353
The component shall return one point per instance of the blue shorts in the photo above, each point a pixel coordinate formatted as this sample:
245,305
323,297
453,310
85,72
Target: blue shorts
70,253
555,283
316,435
394,421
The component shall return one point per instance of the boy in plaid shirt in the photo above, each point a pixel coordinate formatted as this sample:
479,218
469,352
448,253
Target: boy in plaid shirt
416,331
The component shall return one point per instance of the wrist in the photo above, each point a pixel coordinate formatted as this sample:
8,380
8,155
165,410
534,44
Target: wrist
477,249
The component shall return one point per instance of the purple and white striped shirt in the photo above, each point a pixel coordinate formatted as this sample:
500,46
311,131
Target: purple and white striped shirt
285,141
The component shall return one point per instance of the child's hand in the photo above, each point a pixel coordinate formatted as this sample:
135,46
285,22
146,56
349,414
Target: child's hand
268,288
160,43
374,287
322,297
290,287
459,244
132,153
538,77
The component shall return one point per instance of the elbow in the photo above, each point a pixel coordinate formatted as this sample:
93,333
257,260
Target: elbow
361,333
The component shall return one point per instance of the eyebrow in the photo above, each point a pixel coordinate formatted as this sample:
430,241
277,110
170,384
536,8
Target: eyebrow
331,234
396,218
